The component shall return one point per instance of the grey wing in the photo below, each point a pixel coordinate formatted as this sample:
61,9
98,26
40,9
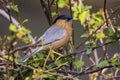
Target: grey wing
53,34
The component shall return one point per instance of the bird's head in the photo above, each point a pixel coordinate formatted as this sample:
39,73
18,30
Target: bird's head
63,17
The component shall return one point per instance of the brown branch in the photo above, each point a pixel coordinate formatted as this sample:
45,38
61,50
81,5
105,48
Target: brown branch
21,48
76,73
52,1
113,78
64,77
47,10
26,46
26,66
105,14
78,52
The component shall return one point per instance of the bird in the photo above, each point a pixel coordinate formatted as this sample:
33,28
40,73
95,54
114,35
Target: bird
54,37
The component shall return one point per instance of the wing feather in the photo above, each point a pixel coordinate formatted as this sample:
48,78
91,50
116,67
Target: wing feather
53,34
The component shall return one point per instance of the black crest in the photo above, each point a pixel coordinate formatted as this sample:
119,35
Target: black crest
64,17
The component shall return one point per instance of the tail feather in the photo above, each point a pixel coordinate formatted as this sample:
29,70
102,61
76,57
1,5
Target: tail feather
29,54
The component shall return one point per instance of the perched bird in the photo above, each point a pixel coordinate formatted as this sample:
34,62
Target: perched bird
55,37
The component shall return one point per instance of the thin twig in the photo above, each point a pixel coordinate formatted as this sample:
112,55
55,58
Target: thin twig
78,52
61,75
56,67
105,13
91,59
27,66
46,59
76,73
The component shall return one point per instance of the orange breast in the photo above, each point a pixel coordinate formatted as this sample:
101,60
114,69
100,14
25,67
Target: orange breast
68,27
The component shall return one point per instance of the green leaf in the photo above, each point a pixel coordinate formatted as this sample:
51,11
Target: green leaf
26,20
78,64
110,32
26,39
11,37
94,23
13,28
80,7
110,74
74,9
22,32
27,78
54,14
46,75
59,62
32,61
91,23
113,35
109,40
118,66
5,77
89,51
75,15
8,57
15,8
114,60
84,35
103,64
36,64
40,55
64,60
100,35
38,72
83,16
61,3
26,30
98,16
87,7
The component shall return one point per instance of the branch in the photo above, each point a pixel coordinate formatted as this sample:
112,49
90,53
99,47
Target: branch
84,72
78,52
47,10
105,14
